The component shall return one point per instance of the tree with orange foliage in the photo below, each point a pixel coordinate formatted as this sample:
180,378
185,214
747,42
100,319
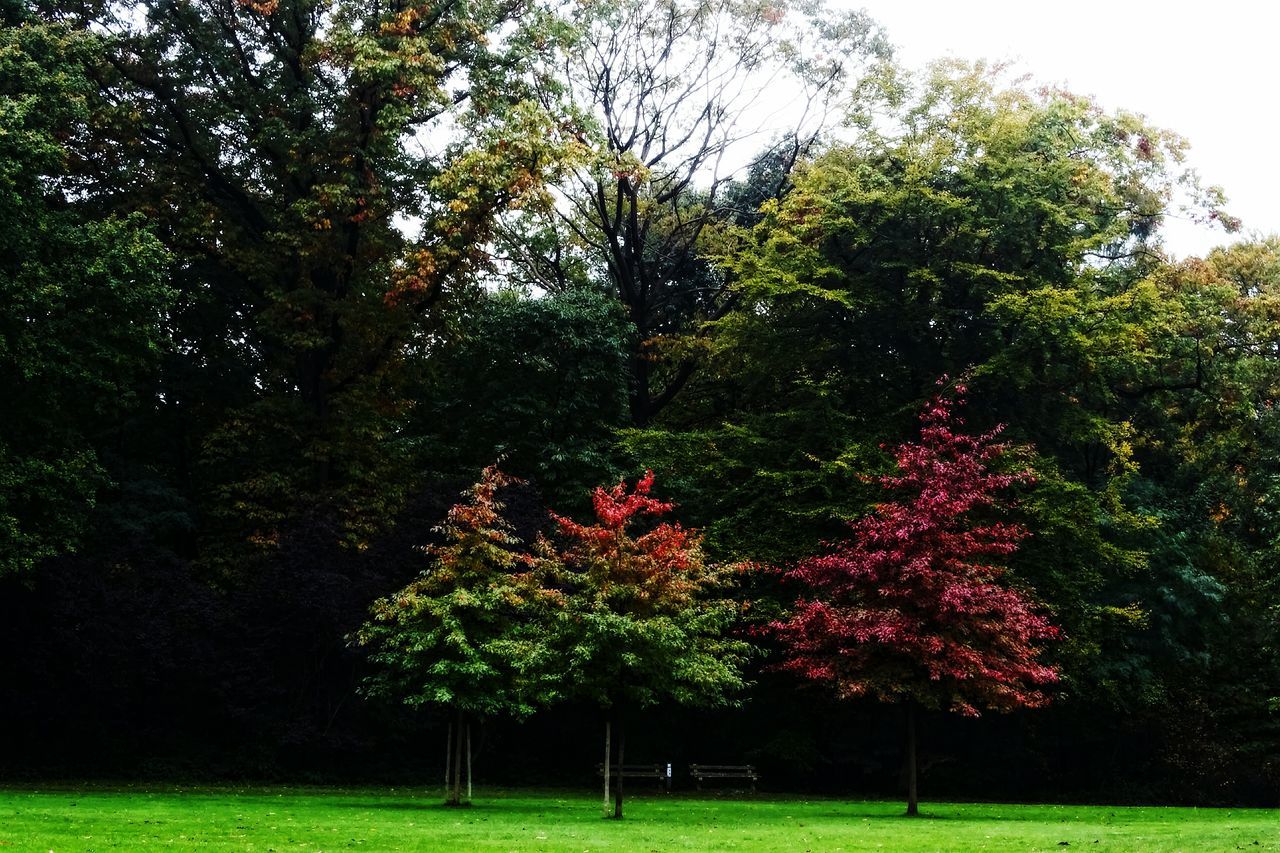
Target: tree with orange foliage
643,618
463,635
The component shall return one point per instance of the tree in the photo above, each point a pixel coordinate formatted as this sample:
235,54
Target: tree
907,241
666,96
463,636
82,300
276,145
983,224
1205,407
910,609
643,618
541,381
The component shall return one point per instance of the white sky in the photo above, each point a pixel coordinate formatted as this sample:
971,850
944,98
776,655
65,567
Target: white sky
1206,70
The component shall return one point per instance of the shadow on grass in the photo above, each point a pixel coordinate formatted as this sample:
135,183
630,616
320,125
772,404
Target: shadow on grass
477,807
583,810
704,808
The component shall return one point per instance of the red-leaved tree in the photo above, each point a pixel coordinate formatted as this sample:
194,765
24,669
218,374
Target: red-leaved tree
644,618
911,608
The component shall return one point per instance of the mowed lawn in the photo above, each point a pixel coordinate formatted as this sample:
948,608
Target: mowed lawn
280,819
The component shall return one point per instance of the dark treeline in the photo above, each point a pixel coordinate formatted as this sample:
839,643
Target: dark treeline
280,278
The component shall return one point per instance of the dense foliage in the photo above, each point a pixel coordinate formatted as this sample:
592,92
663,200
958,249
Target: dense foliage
910,609
282,277
83,291
644,618
464,635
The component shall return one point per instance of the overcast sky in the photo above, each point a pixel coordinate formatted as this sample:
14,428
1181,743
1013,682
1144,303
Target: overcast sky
1208,71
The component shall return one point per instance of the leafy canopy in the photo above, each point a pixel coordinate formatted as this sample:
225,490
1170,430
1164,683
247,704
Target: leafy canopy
82,297
463,635
911,607
644,617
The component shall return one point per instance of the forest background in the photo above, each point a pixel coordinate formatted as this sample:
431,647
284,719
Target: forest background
280,278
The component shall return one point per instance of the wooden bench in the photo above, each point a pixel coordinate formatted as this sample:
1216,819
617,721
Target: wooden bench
724,771
660,772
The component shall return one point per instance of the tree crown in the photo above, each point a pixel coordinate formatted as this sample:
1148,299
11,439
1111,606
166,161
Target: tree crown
911,606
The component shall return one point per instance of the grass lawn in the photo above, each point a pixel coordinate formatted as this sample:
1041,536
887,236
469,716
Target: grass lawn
279,819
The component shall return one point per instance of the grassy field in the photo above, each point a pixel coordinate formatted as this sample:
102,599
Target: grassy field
280,819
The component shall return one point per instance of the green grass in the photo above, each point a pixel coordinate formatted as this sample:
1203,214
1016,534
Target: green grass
280,819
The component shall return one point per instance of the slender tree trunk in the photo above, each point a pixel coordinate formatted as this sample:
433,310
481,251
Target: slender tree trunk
617,791
448,758
913,799
468,762
608,764
455,787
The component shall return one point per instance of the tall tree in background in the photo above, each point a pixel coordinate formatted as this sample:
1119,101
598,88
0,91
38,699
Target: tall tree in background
905,241
464,636
980,223
275,145
667,97
540,381
644,617
911,609
1208,422
82,298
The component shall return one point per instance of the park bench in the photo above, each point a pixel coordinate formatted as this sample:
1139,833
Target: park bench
659,772
747,772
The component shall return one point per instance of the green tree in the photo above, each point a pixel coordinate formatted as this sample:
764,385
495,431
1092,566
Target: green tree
981,226
82,299
664,96
1204,405
284,148
462,636
894,251
541,381
643,619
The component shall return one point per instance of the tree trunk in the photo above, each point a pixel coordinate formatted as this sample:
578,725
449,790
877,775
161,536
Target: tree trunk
468,762
608,764
448,758
617,790
455,786
913,799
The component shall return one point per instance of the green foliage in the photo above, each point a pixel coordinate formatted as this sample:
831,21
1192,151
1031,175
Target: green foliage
659,95
1211,430
463,635
642,618
767,488
540,381
882,268
996,230
81,302
279,146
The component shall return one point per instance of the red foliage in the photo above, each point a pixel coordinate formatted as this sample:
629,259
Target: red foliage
911,606
658,569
